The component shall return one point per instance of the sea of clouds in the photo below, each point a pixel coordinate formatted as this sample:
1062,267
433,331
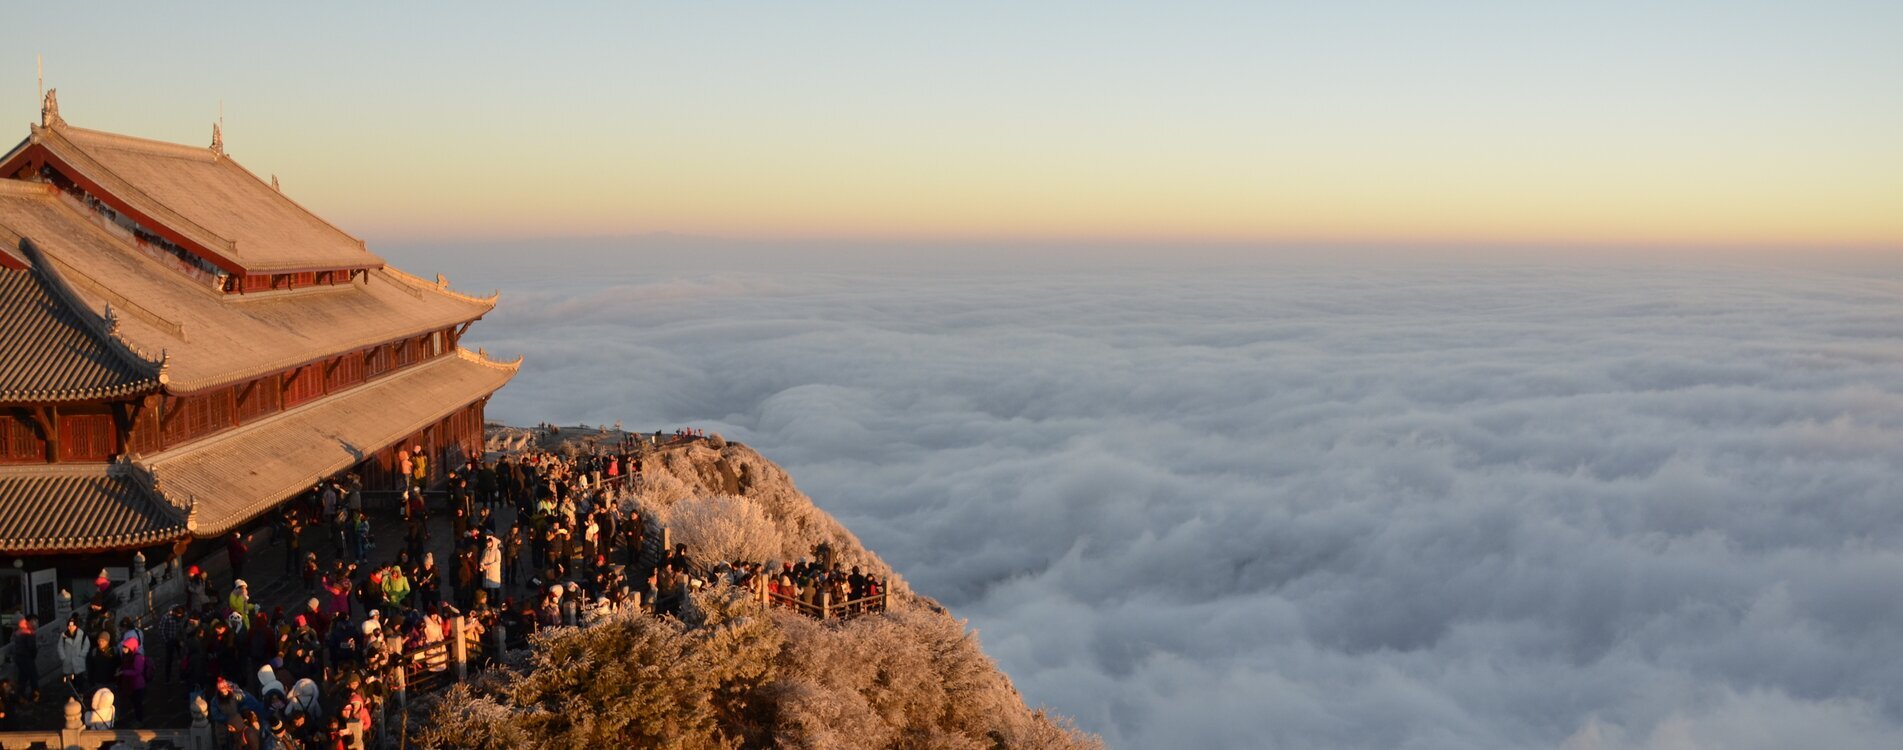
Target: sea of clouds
1307,503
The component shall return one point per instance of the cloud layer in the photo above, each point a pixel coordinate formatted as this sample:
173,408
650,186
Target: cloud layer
1307,504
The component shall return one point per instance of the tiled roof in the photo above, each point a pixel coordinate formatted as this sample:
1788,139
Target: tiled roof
11,256
234,476
210,337
208,198
80,508
52,348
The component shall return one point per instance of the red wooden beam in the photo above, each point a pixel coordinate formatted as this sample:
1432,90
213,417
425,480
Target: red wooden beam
48,419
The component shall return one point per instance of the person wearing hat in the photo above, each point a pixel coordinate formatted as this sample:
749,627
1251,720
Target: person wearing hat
427,582
100,714
303,650
102,661
419,474
315,616
98,607
269,683
305,698
240,599
197,589
491,565
135,672
396,586
228,701
129,631
281,734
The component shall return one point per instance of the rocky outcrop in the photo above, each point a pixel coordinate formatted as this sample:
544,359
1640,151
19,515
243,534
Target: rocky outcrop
740,673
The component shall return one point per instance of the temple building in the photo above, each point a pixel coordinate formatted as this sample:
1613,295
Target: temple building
183,348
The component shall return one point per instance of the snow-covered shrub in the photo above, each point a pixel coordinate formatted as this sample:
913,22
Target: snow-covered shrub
629,681
908,678
657,490
723,527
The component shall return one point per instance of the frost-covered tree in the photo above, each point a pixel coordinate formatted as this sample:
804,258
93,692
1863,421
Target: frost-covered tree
734,674
910,678
629,681
723,527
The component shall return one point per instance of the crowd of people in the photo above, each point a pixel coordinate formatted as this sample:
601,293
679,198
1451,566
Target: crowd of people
374,620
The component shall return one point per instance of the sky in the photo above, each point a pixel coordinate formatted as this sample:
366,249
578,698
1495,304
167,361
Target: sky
1213,501
1427,504
1685,124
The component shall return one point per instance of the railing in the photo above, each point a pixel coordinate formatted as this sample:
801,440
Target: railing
826,608
144,593
427,668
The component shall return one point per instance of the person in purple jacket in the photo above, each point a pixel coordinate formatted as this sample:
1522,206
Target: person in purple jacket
135,671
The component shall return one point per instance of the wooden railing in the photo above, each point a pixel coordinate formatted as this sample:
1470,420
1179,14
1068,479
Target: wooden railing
428,668
826,608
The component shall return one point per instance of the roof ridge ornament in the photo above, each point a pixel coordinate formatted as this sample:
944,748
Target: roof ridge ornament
49,110
217,139
104,324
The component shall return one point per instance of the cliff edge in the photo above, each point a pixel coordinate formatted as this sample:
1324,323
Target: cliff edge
729,671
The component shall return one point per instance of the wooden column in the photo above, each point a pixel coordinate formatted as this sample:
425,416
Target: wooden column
47,417
458,647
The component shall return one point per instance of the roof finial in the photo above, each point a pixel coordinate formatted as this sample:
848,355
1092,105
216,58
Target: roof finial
49,110
274,184
217,139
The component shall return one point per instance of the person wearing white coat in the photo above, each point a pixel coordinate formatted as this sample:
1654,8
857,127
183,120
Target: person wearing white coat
304,699
101,714
491,566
